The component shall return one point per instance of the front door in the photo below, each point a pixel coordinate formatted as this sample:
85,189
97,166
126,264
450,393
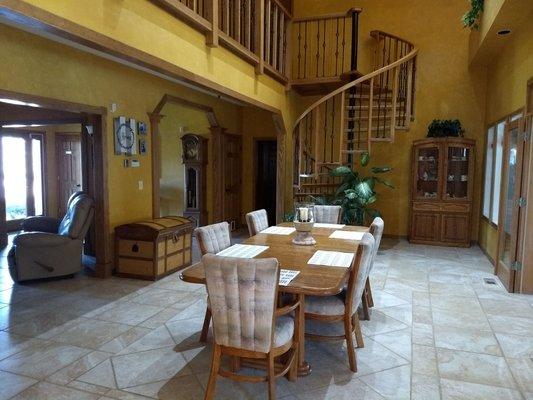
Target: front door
22,167
69,169
232,179
265,181
512,204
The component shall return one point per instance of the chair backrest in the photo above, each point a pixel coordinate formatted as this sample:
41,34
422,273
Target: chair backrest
376,229
242,297
360,271
213,238
78,218
256,221
327,214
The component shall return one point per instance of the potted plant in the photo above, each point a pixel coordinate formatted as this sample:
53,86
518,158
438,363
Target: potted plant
356,193
445,128
471,17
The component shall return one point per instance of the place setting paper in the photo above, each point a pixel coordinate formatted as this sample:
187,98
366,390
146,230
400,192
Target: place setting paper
279,230
286,276
331,258
242,251
329,226
350,235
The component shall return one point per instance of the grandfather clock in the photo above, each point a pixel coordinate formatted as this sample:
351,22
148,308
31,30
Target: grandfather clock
195,161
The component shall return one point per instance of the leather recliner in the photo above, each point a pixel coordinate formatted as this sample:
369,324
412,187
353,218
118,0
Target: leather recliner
49,247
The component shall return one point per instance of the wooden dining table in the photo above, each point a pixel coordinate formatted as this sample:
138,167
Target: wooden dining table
313,280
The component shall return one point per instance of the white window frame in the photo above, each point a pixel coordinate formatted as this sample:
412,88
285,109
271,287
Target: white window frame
493,177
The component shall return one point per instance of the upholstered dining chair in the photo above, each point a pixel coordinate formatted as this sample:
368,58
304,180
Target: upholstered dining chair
212,239
256,221
376,230
246,323
328,214
343,307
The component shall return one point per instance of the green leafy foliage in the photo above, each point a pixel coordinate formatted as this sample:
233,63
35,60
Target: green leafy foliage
470,18
356,193
445,128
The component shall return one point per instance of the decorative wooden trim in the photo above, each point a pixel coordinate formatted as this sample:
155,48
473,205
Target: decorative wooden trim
281,166
190,16
217,144
328,16
237,48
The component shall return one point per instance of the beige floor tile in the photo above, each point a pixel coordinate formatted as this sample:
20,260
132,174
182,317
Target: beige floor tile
511,308
398,341
185,332
475,368
503,323
41,323
11,343
50,391
348,390
380,323
87,387
402,313
422,315
422,334
421,299
383,299
160,318
515,346
393,383
458,390
12,384
455,302
522,370
101,375
473,340
42,359
424,360
129,313
450,289
460,319
182,388
148,366
425,387
156,339
124,340
77,368
160,297
91,333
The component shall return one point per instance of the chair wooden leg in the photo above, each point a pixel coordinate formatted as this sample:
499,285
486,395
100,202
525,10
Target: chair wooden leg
364,303
205,327
215,365
292,375
368,290
357,330
348,333
235,364
271,377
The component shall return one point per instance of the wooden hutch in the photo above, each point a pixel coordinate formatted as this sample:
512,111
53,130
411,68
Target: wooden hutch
442,184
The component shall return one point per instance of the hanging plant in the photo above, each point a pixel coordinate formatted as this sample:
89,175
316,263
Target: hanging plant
471,18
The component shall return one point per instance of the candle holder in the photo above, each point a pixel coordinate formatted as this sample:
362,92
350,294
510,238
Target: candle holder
304,220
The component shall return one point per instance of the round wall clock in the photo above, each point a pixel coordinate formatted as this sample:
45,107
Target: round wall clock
125,136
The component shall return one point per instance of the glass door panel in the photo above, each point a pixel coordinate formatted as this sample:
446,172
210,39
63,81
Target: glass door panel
15,181
37,166
457,173
427,161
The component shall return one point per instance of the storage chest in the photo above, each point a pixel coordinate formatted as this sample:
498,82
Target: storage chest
152,249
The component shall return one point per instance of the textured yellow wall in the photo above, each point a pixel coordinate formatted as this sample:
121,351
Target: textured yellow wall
507,77
446,89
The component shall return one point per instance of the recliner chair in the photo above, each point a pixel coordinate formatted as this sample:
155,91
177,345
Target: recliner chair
50,247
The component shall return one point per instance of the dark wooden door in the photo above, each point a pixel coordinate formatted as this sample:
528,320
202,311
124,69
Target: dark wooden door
69,169
232,179
265,180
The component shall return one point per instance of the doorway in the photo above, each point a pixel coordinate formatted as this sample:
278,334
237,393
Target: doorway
266,177
68,168
23,178
512,205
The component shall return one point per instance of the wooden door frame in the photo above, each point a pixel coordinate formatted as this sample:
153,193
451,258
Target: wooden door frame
517,124
59,136
97,173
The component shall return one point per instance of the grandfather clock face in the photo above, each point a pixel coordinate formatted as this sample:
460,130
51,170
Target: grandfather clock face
191,150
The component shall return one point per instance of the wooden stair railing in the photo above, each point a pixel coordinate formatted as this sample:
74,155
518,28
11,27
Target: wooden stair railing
338,127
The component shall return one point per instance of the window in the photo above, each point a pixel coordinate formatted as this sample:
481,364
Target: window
493,171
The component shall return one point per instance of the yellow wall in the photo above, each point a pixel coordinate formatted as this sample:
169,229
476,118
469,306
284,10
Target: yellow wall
507,77
446,89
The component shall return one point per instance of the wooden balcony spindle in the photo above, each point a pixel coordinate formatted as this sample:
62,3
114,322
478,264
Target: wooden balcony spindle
237,12
212,14
248,21
281,39
275,34
268,18
259,36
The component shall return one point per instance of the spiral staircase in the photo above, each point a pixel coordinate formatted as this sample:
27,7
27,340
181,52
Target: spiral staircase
341,125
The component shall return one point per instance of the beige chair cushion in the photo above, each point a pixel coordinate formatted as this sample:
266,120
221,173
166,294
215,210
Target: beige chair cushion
327,214
324,305
284,330
376,229
242,298
257,221
213,238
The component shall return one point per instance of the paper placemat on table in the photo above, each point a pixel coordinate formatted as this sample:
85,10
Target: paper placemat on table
286,276
330,226
279,230
350,235
242,251
331,258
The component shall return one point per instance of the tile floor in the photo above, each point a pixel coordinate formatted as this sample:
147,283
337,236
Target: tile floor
437,332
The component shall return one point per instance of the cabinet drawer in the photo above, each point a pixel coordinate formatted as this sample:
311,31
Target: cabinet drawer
426,207
456,208
135,248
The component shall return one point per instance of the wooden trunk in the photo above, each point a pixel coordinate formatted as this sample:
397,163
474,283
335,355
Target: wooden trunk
153,249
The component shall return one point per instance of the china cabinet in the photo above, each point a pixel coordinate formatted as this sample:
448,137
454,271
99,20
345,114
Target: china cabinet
442,183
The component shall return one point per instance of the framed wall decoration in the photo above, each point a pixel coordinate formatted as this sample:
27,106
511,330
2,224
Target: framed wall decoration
125,136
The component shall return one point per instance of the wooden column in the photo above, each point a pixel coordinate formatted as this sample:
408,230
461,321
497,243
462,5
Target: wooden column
212,16
217,152
259,37
156,164
280,173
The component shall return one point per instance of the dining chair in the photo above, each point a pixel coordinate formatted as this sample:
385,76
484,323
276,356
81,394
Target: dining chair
327,214
212,239
376,230
256,221
343,307
246,323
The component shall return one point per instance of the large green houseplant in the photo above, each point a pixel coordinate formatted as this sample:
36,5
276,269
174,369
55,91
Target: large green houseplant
356,193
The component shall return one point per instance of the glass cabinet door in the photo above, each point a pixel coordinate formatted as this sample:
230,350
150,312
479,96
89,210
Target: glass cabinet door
457,176
427,177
